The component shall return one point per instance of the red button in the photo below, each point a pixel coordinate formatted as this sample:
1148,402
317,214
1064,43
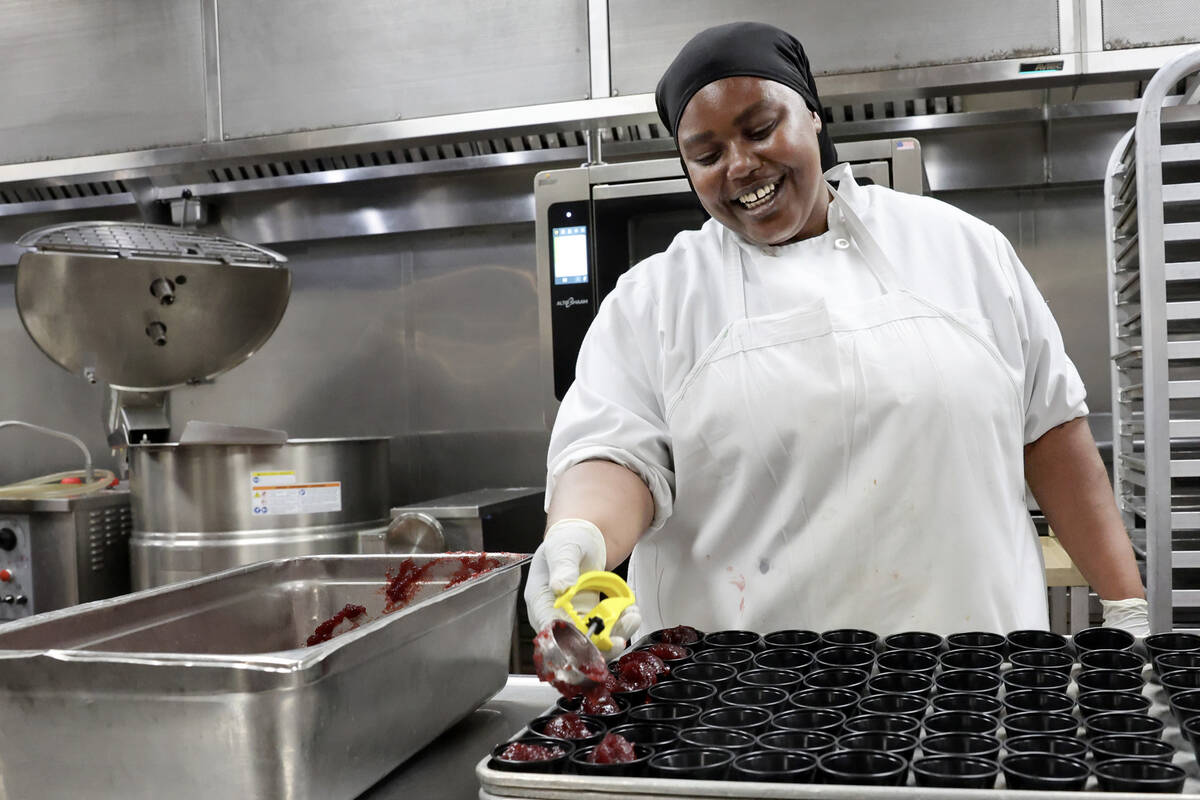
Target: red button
73,481
5,575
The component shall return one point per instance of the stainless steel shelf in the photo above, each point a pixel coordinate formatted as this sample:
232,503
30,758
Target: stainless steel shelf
1181,193
1183,271
1176,390
1180,153
1188,520
1184,310
1179,428
1181,232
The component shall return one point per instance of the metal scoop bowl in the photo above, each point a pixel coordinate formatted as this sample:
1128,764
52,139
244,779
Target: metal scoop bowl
566,659
565,654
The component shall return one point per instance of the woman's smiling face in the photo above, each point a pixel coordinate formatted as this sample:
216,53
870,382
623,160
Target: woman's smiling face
750,148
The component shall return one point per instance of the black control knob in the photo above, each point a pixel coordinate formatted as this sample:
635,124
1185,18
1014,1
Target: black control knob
22,599
8,598
8,539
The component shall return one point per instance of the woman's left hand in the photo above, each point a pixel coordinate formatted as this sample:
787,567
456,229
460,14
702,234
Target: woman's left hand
1132,615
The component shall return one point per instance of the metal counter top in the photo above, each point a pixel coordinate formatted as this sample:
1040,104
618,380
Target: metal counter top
445,769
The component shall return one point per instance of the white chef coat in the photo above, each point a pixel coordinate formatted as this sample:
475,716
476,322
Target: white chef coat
666,312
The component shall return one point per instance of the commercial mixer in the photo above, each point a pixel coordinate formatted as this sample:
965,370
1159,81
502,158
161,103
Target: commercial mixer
146,309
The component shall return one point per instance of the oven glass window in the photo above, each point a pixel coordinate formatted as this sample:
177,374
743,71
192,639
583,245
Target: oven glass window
570,254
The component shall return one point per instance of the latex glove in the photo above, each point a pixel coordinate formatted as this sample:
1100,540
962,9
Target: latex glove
1132,615
572,547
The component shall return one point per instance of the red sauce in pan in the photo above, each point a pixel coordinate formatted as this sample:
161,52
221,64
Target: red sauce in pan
407,579
469,566
403,583
520,751
613,749
324,631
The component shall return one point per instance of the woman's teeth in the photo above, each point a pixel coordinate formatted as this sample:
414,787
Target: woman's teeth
759,197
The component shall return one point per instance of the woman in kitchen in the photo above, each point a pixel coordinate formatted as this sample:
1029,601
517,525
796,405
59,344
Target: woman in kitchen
821,409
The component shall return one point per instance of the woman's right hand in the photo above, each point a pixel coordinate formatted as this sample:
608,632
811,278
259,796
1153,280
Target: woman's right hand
571,547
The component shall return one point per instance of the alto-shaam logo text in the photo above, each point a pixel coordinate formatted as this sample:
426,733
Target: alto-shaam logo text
571,301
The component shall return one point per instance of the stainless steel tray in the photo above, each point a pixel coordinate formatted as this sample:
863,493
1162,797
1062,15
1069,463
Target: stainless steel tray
495,784
204,689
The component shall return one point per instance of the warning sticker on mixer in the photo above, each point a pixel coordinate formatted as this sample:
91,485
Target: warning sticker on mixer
272,478
300,498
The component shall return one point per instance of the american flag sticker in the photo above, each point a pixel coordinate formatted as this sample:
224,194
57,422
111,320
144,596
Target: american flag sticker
906,144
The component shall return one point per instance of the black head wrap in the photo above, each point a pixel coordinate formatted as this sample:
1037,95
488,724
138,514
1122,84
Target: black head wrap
740,49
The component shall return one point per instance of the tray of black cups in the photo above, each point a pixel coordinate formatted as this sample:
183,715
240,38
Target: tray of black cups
846,713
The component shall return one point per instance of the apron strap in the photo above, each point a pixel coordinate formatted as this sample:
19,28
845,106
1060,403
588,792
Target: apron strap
735,281
877,261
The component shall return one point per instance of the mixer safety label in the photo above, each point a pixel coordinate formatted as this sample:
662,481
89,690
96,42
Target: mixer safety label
280,478
298,498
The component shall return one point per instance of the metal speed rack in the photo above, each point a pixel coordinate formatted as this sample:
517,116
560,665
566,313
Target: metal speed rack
1152,210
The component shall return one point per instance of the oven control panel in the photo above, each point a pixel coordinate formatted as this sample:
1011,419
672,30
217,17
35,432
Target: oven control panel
16,569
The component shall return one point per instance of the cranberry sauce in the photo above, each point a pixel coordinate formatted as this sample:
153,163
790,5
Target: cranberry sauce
406,580
600,703
613,749
324,631
668,652
520,751
567,726
639,670
680,634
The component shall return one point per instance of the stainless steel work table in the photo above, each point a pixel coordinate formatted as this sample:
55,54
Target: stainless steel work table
445,769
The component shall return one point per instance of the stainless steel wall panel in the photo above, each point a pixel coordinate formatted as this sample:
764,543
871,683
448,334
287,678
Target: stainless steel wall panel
35,389
474,321
984,157
473,380
845,37
1019,154
85,77
1149,23
456,461
380,207
1077,147
295,65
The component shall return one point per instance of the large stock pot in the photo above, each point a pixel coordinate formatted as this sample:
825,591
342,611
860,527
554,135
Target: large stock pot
202,508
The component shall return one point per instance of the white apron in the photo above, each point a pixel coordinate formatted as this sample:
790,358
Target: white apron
846,465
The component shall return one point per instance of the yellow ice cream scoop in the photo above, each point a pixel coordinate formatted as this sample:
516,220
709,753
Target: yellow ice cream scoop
601,617
568,655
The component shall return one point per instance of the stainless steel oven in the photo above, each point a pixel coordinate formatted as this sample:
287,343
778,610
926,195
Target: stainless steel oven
595,222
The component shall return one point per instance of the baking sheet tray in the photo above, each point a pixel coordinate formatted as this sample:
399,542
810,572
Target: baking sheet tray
496,784
204,689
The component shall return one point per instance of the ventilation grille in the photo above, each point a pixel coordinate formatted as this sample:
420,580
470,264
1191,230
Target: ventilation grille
349,160
891,109
60,191
108,535
427,153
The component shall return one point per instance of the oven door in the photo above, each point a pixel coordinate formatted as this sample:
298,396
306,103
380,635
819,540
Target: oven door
633,221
